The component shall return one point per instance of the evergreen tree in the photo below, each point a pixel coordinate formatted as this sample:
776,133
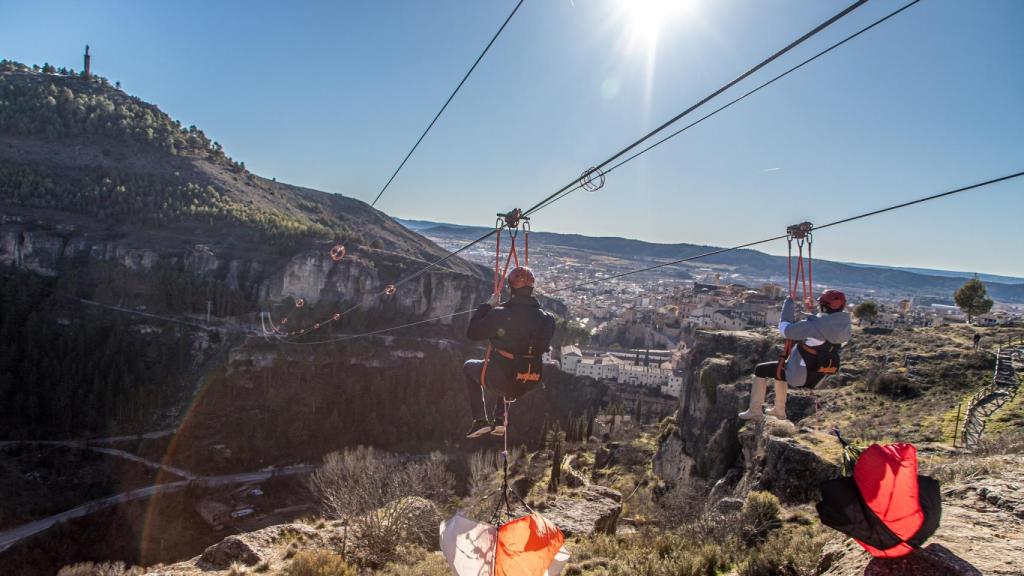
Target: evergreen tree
866,312
973,298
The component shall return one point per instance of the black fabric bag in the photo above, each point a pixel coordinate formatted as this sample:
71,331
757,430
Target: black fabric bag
843,508
523,373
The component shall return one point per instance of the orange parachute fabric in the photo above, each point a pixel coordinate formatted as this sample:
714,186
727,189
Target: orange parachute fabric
527,546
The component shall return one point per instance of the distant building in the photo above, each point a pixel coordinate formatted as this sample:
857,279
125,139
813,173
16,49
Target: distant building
570,358
673,387
87,70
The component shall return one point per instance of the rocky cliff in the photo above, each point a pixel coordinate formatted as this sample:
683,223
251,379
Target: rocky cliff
710,446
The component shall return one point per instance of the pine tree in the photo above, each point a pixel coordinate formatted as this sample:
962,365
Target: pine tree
972,298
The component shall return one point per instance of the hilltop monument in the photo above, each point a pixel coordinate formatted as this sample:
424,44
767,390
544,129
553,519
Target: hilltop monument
88,60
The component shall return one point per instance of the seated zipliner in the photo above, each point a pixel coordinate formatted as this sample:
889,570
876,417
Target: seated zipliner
812,353
519,334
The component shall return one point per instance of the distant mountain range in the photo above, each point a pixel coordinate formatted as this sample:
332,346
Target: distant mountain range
938,284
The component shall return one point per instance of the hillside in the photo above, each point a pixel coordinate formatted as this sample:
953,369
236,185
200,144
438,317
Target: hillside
752,263
135,254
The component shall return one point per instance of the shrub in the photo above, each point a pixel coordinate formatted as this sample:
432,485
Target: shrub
791,552
481,471
101,569
319,563
415,561
759,516
381,496
892,384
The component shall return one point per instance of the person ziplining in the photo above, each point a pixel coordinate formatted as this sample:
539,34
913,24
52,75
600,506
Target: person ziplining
518,332
813,344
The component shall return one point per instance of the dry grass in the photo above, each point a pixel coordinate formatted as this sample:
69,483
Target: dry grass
319,563
416,561
100,569
905,385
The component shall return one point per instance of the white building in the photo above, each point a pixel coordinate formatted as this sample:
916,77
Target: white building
649,376
571,357
600,368
727,320
674,386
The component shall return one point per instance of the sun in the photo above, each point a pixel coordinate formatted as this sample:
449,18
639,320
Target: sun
645,18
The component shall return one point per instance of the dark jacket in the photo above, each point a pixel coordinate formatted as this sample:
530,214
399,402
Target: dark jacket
518,326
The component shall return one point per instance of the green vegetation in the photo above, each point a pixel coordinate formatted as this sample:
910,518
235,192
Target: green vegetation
149,200
67,370
866,311
972,298
41,105
58,107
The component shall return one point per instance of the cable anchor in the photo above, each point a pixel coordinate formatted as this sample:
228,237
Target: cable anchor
799,231
513,218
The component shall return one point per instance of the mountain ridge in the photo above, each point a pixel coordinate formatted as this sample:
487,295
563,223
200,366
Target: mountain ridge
939,284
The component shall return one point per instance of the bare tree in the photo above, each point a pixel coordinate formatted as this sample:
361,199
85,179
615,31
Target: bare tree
381,496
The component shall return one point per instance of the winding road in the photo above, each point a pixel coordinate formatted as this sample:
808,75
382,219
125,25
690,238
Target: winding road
14,535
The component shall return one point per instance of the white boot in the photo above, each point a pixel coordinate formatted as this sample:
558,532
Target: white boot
757,391
779,410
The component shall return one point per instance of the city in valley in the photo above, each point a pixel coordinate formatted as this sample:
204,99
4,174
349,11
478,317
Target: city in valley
634,330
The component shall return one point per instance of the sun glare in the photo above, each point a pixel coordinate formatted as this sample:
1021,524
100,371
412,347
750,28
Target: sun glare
646,17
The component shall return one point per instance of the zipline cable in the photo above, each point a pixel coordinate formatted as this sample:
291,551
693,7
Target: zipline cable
695,257
784,236
704,100
646,149
580,183
447,102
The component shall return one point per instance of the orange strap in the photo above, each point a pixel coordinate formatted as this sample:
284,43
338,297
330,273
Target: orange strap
781,366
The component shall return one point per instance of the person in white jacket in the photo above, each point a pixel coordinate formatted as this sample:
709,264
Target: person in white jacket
818,339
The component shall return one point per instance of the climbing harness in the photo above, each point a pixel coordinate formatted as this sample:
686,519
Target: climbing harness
801,234
512,222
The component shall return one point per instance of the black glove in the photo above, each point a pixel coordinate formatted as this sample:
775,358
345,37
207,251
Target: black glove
482,311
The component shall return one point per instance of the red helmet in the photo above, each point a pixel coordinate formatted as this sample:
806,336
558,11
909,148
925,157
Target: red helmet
520,277
833,300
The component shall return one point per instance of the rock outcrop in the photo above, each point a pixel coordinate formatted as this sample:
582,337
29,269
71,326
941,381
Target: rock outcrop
776,462
592,509
704,444
249,549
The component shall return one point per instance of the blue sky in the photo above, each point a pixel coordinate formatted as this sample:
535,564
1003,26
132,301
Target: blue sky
331,95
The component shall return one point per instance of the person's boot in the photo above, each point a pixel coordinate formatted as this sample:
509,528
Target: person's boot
779,409
479,428
757,391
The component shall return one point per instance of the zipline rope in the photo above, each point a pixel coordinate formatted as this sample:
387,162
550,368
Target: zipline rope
697,256
447,102
646,149
702,101
587,180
